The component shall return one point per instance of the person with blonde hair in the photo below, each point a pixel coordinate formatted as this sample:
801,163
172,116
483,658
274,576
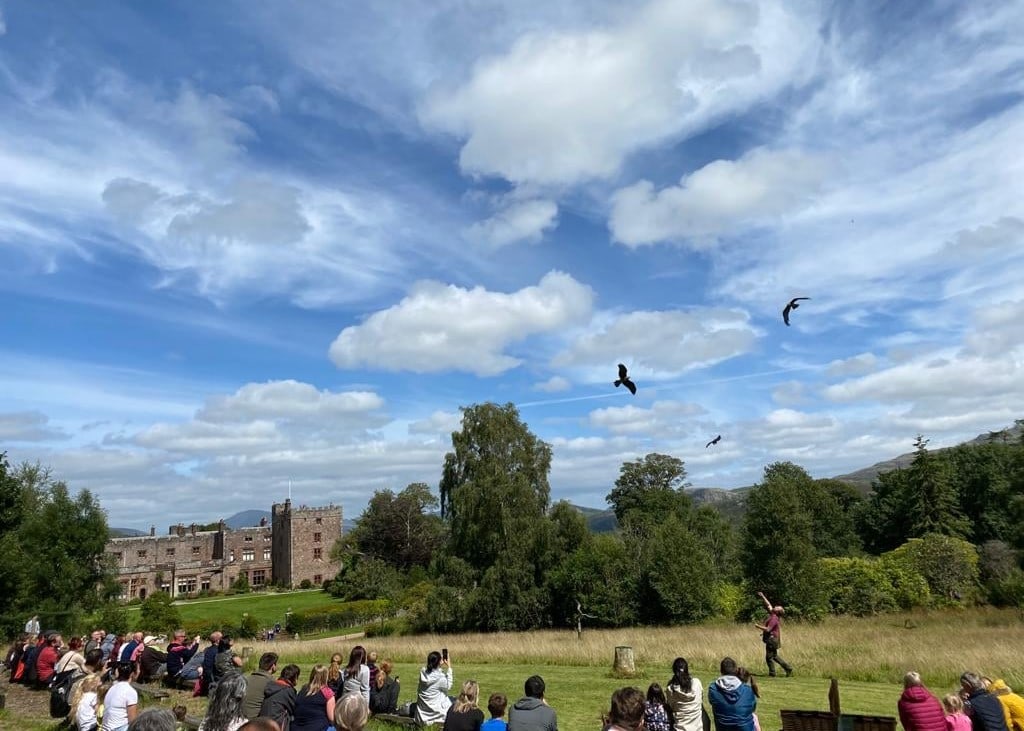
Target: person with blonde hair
919,710
314,705
464,715
334,673
351,713
84,700
1013,704
956,719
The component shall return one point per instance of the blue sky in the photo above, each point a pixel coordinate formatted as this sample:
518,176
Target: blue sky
252,242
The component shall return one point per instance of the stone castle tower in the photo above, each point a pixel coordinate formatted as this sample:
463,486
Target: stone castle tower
302,542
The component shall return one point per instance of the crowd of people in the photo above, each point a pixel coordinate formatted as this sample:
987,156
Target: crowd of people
94,683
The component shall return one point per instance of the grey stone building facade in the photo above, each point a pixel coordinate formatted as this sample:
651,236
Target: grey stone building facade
294,546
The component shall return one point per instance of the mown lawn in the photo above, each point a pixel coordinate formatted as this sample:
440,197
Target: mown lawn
269,609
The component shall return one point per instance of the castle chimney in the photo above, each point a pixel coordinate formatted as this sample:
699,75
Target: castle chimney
181,530
263,522
192,528
152,531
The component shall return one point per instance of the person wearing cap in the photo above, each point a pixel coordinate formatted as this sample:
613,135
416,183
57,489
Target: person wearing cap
152,661
179,653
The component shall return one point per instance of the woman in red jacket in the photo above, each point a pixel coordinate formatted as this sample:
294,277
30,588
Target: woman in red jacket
46,663
919,709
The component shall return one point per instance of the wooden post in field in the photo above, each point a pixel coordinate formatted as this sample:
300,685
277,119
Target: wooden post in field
624,663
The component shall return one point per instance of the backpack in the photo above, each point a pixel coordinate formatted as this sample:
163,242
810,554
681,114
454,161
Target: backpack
60,692
31,674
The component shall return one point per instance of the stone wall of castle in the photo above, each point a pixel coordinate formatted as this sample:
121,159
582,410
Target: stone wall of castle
294,546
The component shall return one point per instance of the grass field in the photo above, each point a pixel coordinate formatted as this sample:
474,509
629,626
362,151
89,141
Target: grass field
267,608
869,656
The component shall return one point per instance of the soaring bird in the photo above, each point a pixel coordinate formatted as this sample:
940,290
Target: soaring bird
714,441
624,380
791,306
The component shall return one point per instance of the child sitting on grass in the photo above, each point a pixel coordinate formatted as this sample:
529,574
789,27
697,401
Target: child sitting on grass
656,709
956,719
496,705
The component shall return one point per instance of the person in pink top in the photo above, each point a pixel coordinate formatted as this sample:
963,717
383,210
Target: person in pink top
956,719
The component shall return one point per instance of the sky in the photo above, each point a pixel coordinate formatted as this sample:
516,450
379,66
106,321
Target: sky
248,243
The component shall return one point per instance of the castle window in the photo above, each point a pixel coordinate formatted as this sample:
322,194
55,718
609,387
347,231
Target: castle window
118,556
142,553
318,554
186,584
266,554
248,539
317,537
266,538
259,577
170,552
195,550
248,554
318,579
204,584
319,521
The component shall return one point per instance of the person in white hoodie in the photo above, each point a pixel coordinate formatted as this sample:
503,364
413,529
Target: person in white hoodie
684,695
432,701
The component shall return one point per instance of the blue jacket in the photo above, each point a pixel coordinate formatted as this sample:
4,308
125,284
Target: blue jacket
986,712
732,703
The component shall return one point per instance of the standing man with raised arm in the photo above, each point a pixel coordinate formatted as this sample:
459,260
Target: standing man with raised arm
771,636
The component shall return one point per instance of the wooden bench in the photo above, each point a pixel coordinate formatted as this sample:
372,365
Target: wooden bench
833,719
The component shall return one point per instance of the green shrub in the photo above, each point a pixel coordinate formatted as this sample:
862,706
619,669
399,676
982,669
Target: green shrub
389,628
728,599
1008,591
157,614
249,626
305,584
112,618
949,565
338,616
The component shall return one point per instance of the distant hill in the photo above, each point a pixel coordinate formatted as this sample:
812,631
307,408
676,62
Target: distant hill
731,503
863,478
125,532
246,519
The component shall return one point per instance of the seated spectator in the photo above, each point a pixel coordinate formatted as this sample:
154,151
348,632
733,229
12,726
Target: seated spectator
14,653
496,706
154,719
225,710
121,702
261,724
986,710
84,700
684,697
334,679
108,645
732,701
356,676
1013,704
627,710
152,662
531,712
127,650
432,701
464,715
180,714
747,677
46,662
179,652
371,664
72,659
314,704
956,719
279,696
384,691
919,710
226,661
95,640
209,658
656,709
351,713
257,682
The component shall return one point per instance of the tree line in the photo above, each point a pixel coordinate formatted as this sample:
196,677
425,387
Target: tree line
492,553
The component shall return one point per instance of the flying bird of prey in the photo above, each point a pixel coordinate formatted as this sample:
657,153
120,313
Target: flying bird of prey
624,380
791,306
714,441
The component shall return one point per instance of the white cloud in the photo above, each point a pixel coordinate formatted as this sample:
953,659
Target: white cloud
662,343
561,107
287,400
3,23
439,327
722,197
663,418
854,366
28,426
790,393
438,423
554,385
519,221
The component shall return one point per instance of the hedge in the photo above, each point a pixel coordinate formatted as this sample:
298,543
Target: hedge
348,614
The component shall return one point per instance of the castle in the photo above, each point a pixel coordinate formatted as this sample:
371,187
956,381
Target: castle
294,547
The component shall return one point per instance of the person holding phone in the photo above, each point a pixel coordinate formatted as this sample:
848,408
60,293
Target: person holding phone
432,701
